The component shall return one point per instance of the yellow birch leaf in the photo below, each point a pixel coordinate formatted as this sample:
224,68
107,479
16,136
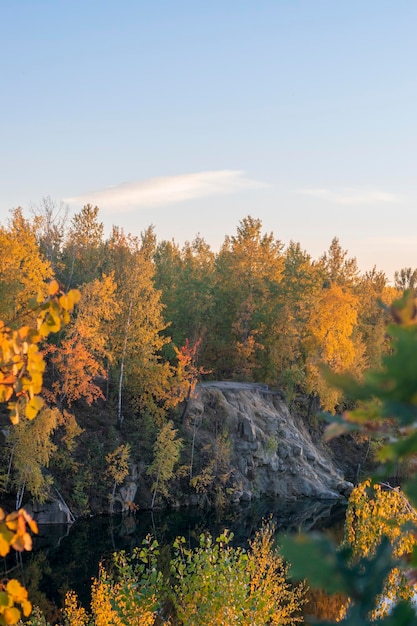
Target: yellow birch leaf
4,545
16,590
7,379
64,301
49,326
12,521
33,407
27,608
11,616
68,300
6,526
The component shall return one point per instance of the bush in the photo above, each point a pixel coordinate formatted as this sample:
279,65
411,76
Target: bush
218,584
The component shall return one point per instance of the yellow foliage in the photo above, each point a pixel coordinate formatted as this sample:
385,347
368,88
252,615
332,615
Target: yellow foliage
276,602
118,463
76,369
252,258
11,593
98,309
390,294
21,362
101,607
218,584
32,450
82,357
117,604
74,615
21,375
23,270
331,326
166,455
331,341
324,606
375,512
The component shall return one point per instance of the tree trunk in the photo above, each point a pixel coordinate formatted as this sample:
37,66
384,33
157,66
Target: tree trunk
9,469
19,496
113,493
193,448
186,403
155,490
122,364
311,405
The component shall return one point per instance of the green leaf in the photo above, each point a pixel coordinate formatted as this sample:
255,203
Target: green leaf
314,557
399,449
4,599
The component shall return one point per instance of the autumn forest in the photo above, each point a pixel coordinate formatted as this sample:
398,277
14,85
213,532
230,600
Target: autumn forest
153,319
103,342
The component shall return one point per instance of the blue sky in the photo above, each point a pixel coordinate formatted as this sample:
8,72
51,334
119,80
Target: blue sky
190,115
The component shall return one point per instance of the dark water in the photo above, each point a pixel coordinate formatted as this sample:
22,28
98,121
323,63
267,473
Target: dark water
66,558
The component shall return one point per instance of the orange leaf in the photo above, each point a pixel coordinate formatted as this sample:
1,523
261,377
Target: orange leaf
29,520
53,288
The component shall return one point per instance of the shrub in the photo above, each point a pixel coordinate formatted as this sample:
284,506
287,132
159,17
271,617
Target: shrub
218,584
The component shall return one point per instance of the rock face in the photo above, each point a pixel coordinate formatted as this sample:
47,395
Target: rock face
266,452
54,512
272,453
125,497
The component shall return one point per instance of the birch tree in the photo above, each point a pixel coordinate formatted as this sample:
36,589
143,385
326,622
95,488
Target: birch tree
166,455
139,340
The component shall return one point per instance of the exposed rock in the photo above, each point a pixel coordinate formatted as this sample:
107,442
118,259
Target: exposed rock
272,452
125,497
54,512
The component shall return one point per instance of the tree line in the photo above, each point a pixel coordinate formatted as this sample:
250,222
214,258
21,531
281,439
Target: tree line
154,318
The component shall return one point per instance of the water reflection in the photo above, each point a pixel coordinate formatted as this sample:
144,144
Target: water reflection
67,557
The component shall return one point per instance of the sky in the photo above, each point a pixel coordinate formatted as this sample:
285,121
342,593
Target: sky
191,115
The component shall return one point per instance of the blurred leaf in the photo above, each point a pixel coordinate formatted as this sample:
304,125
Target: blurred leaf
315,558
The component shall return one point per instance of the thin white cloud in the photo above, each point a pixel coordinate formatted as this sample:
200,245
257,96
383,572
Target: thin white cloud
168,190
352,196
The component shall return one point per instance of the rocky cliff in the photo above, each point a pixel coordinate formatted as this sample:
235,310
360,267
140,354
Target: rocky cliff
240,443
271,451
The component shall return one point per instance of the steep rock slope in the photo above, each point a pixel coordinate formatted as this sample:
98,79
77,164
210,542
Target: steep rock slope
271,452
